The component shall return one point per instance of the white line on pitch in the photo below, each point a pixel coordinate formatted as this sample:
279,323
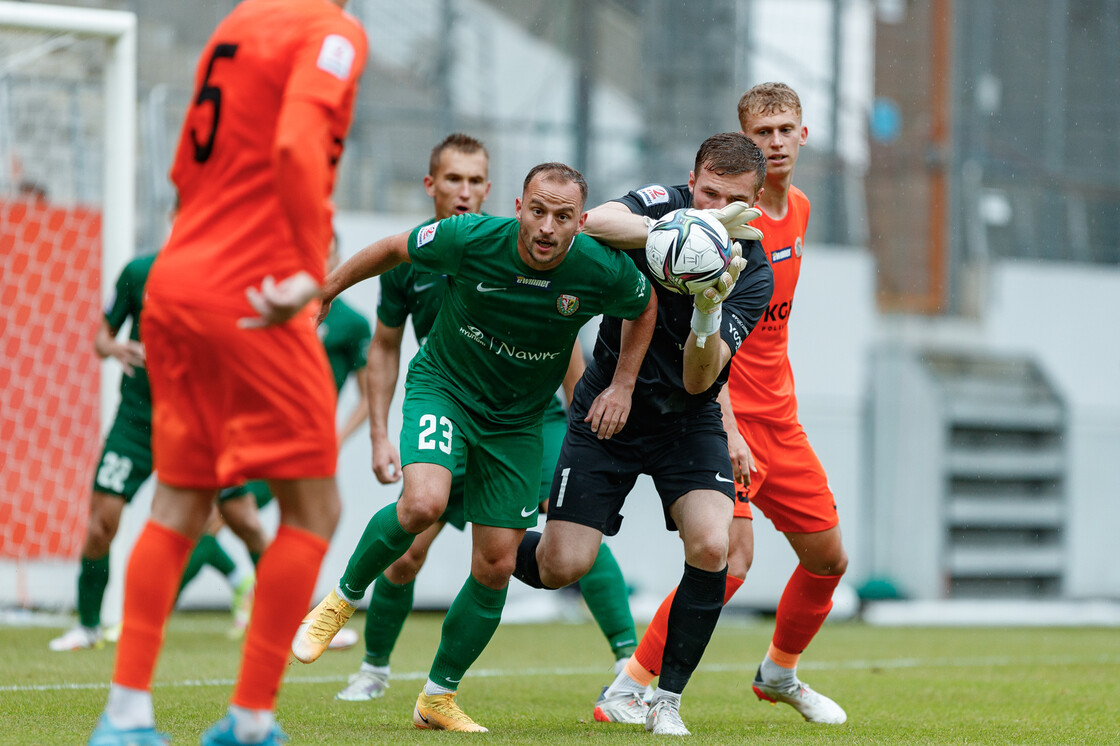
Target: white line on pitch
897,663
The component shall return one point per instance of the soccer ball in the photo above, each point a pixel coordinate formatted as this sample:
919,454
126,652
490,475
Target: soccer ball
688,251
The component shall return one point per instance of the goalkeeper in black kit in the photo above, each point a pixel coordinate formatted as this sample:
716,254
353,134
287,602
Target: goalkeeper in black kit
675,431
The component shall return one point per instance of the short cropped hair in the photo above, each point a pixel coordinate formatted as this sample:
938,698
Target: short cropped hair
768,98
559,172
455,141
731,153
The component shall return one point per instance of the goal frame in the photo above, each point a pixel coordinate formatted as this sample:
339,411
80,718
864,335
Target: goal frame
118,195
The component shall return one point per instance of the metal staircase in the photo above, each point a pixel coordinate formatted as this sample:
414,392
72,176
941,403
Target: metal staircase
969,476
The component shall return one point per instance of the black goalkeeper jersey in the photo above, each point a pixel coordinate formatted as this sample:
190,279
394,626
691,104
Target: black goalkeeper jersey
660,387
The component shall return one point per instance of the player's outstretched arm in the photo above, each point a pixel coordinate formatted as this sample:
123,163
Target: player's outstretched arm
129,354
382,370
375,259
614,224
611,408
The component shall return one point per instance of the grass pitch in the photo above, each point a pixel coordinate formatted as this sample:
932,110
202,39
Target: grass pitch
537,684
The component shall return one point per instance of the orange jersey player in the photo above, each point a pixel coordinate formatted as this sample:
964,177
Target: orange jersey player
241,388
772,459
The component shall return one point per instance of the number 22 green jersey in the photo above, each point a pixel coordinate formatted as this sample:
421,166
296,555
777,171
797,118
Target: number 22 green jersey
503,337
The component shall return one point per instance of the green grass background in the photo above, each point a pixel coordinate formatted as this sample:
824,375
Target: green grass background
537,684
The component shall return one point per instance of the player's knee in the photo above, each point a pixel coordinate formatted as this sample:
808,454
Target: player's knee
831,563
419,512
559,570
739,563
407,567
493,570
99,535
707,552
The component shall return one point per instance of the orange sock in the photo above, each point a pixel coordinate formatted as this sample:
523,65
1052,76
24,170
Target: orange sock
647,658
804,605
150,585
286,576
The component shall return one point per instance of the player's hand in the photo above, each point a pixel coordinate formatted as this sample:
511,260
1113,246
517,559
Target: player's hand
386,460
708,300
130,355
324,309
276,302
609,411
736,218
742,462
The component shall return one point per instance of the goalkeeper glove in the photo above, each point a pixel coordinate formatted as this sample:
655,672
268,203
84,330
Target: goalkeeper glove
707,305
736,217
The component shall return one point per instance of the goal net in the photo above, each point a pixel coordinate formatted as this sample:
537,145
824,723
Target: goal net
67,162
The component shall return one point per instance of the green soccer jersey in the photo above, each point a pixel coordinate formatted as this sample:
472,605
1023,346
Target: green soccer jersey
345,335
503,338
126,303
407,290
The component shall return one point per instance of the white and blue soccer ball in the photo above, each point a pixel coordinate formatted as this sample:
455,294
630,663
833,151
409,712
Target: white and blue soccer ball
687,251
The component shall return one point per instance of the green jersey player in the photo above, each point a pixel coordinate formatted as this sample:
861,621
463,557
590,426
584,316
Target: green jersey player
458,183
518,292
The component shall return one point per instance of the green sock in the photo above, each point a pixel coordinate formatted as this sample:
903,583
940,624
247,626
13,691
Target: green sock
92,579
389,606
256,557
467,628
207,552
604,591
382,544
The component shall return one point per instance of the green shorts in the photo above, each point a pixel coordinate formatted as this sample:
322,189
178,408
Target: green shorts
126,459
455,514
503,463
259,490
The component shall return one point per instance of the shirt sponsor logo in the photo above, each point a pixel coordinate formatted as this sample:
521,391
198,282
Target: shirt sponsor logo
654,195
567,304
533,282
505,349
336,56
781,255
798,247
426,234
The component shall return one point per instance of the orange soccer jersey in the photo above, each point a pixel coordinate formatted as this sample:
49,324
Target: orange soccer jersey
231,404
761,380
231,229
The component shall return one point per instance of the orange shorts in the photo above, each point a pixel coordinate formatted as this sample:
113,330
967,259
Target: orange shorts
790,486
231,405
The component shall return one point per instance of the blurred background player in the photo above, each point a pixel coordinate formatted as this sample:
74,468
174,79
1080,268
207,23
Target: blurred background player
675,433
241,388
457,182
786,480
523,287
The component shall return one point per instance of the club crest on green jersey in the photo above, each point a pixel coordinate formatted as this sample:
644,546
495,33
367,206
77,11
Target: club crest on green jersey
567,304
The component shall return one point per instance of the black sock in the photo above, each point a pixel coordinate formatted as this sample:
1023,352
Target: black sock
692,618
527,570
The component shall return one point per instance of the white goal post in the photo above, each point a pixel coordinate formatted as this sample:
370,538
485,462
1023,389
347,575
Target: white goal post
68,149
